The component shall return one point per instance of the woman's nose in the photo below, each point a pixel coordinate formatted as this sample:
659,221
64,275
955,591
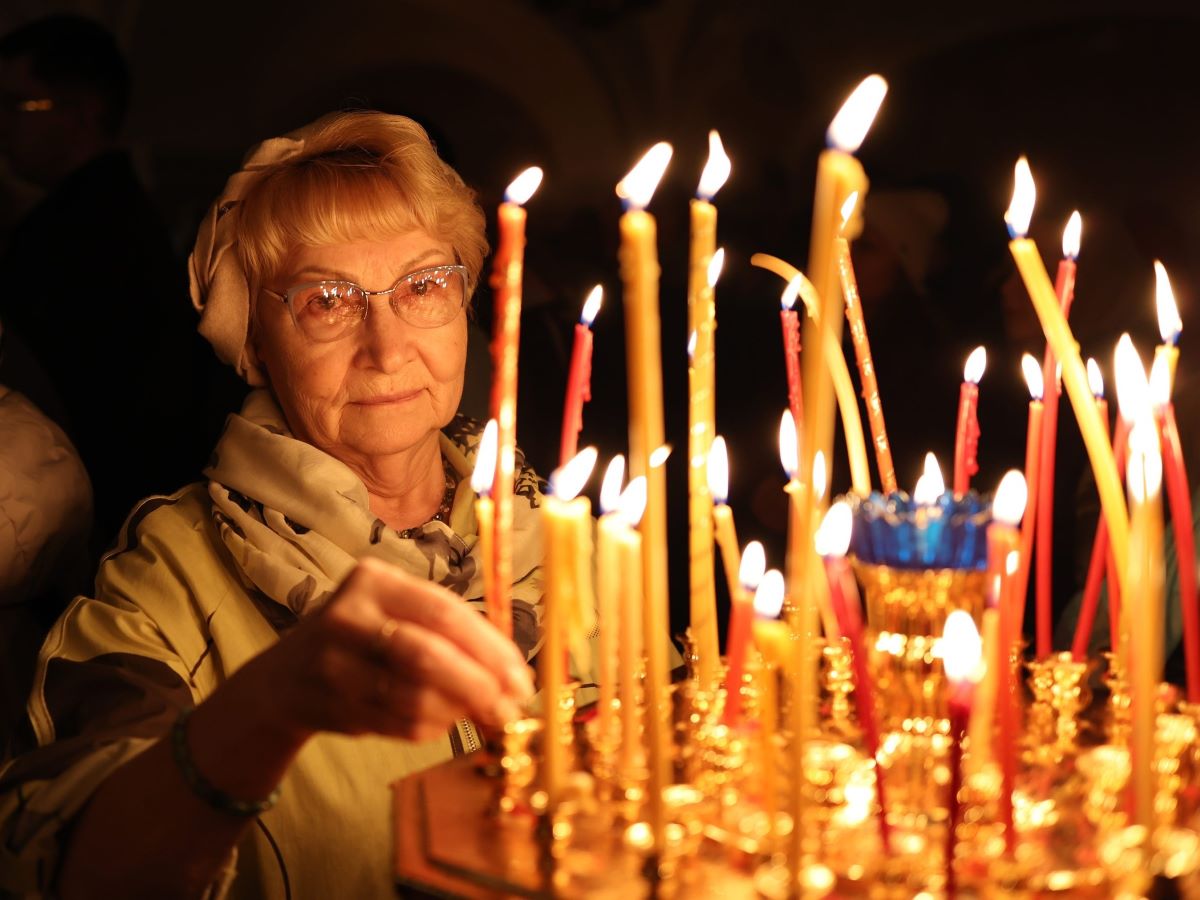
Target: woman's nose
386,338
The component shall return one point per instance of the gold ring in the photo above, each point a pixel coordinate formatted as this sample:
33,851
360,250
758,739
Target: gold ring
383,637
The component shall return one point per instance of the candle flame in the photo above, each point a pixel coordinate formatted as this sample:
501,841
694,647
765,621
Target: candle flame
591,305
610,487
1169,323
850,126
715,265
788,455
768,599
753,567
1143,472
1012,562
1132,386
637,188
833,537
820,475
1072,235
523,186
633,501
1095,379
691,345
791,292
1020,209
848,208
1033,376
1008,506
716,170
718,470
659,456
568,479
975,365
485,460
1159,386
931,484
962,648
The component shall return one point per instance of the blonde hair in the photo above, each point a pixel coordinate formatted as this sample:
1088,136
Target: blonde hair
360,175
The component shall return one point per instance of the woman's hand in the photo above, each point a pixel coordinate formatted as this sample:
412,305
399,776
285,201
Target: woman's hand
393,655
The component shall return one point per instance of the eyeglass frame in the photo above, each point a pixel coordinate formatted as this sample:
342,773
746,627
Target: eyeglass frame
287,296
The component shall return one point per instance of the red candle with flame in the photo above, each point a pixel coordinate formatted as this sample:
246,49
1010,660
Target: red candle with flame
962,655
579,378
750,573
790,323
1033,449
966,435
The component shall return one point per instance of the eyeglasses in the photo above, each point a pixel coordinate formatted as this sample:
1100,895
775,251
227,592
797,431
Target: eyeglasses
330,310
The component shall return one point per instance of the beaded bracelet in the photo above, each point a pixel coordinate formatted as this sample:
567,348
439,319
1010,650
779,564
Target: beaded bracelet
202,787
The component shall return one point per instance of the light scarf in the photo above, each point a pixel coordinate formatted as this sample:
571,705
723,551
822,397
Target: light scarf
296,520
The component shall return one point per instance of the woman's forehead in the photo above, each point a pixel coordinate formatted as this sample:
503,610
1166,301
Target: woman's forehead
354,260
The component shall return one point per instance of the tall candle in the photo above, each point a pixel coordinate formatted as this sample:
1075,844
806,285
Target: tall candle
862,352
639,275
1145,593
1008,507
485,518
703,269
562,515
790,325
1037,487
966,433
722,516
962,656
1066,350
750,574
507,277
579,377
608,590
983,712
629,656
773,640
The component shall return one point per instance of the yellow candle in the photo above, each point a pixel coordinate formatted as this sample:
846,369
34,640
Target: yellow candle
485,518
983,712
1169,323
639,276
564,516
717,480
608,588
856,451
1066,351
773,640
1145,595
631,506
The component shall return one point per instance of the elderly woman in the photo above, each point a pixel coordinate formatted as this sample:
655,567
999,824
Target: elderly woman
267,650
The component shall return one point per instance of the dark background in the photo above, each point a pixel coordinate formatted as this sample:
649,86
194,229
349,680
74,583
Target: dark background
1101,96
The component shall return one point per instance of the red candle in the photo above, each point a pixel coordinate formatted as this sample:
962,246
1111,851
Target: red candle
962,653
790,323
966,435
737,639
832,541
507,270
1033,449
1007,509
1064,288
579,378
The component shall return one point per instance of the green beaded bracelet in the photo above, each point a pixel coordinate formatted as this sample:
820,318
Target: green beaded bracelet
202,787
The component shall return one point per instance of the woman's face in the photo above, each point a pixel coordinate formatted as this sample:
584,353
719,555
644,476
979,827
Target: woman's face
387,385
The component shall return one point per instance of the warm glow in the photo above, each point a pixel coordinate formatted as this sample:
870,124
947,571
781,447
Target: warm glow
833,537
1012,562
591,305
1143,472
768,599
610,487
850,126
718,470
639,185
485,461
1071,236
1169,323
975,365
523,186
691,347
1033,376
848,208
931,484
715,265
820,475
962,648
754,565
1132,386
1020,210
787,444
568,479
1008,506
791,292
1095,378
716,170
1160,381
659,456
633,501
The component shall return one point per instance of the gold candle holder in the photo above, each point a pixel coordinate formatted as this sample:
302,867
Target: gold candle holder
518,747
1119,718
837,683
1174,742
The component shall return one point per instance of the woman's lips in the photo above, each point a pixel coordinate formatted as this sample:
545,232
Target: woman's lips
383,399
